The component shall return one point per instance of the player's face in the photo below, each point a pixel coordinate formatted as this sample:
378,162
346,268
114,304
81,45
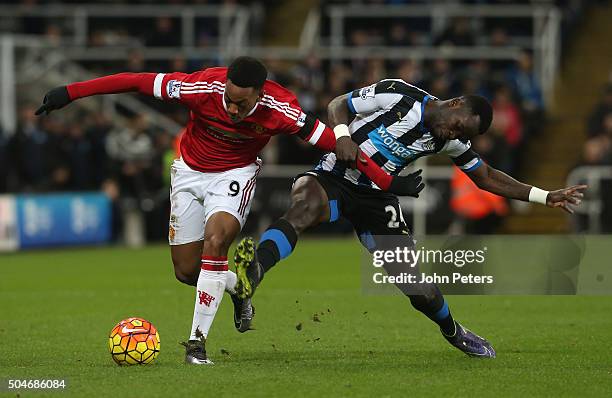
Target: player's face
457,123
239,101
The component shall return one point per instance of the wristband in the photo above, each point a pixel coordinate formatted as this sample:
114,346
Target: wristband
341,130
538,195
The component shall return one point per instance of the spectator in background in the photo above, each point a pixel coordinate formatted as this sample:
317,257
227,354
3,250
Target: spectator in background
310,73
459,33
375,71
440,78
475,80
400,36
53,35
493,148
507,120
99,125
410,71
179,64
527,89
597,151
130,152
164,33
28,149
477,211
339,80
135,61
56,156
4,162
480,212
474,85
603,109
499,37
79,151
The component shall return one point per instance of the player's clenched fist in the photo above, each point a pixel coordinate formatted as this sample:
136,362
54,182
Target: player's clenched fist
55,99
348,151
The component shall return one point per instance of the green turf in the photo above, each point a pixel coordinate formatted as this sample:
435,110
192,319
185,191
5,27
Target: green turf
56,308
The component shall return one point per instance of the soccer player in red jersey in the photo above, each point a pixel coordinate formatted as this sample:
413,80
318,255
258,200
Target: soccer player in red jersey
233,113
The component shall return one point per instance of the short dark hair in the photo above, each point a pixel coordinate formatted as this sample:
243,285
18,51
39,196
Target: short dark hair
480,106
247,72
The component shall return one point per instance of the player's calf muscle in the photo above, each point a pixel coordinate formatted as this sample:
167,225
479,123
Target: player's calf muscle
186,261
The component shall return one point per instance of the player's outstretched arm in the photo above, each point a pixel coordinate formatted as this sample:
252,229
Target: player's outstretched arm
61,96
500,183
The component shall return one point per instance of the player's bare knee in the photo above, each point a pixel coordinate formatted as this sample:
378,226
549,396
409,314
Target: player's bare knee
216,244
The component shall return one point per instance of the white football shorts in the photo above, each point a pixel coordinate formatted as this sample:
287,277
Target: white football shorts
195,196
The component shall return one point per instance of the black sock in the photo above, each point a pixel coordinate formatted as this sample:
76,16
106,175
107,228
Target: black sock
276,243
435,308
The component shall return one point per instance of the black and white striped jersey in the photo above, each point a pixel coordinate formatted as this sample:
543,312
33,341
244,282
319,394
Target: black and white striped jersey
388,127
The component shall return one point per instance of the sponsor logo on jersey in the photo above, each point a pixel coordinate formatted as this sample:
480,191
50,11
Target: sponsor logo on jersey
173,88
390,147
227,135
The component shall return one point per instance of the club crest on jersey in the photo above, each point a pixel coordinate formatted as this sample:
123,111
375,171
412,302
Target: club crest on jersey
390,147
259,129
173,88
429,145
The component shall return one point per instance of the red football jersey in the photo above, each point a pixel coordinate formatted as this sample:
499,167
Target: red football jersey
211,141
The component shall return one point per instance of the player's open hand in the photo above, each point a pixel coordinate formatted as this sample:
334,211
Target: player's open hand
348,151
55,99
409,185
566,197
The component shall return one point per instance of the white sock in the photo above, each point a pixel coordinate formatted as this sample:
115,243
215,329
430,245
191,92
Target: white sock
230,282
209,293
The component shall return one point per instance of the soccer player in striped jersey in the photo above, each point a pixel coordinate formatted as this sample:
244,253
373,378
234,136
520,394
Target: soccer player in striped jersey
234,112
394,123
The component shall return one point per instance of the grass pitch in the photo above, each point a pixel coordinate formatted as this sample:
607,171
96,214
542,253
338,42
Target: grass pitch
57,307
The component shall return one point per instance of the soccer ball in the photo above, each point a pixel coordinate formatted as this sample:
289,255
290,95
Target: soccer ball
134,341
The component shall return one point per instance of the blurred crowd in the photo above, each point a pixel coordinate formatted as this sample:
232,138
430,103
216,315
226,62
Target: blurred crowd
597,151
86,151
511,86
89,151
